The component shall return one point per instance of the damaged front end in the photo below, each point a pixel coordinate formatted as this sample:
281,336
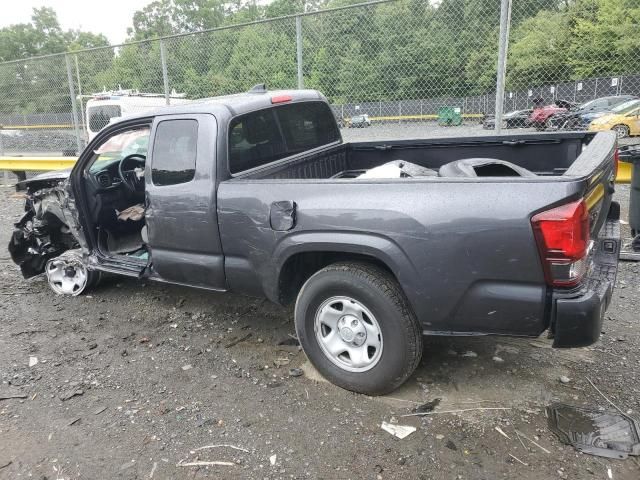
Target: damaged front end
45,229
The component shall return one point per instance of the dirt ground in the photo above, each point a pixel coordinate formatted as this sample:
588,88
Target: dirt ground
133,380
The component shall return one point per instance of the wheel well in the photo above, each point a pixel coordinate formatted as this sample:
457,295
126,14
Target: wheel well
299,267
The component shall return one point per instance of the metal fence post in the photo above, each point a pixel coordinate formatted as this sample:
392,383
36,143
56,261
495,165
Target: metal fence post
299,51
72,96
620,85
165,75
82,119
503,46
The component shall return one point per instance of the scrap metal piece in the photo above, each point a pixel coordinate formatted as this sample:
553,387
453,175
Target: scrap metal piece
601,433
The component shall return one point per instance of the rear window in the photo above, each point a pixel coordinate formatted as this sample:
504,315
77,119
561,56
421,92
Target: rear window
174,152
259,138
99,116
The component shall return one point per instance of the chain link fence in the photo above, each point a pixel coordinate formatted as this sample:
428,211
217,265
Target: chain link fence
396,61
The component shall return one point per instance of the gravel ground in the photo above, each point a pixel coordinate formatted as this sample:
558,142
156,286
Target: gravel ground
132,379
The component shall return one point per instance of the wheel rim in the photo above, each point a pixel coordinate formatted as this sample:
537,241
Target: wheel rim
66,277
621,131
348,334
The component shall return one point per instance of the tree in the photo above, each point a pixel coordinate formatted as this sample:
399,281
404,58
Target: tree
538,54
605,41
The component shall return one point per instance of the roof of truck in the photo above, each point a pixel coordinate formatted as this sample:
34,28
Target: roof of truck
236,104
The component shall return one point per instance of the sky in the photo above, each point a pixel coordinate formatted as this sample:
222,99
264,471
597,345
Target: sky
112,18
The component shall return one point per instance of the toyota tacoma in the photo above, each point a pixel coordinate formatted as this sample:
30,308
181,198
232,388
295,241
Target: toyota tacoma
377,243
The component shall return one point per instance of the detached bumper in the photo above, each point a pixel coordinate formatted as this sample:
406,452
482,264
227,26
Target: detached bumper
577,315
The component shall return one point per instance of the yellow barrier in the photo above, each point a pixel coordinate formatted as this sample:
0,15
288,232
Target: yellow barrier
624,172
31,164
38,127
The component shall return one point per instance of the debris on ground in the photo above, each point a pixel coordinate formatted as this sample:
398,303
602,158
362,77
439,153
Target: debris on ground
33,361
281,361
520,434
470,354
70,394
236,341
564,379
295,372
596,432
4,395
272,459
210,463
518,460
291,341
427,406
400,431
187,367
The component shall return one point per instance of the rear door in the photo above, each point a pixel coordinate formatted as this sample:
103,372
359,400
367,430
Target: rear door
181,201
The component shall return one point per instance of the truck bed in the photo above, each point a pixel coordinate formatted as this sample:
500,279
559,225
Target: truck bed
462,248
542,154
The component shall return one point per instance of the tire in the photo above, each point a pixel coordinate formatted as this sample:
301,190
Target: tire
373,299
68,274
622,131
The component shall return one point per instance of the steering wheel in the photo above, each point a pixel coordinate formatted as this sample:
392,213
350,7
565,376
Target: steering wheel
130,178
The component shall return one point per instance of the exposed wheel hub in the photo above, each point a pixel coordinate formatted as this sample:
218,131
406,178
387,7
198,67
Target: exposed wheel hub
67,275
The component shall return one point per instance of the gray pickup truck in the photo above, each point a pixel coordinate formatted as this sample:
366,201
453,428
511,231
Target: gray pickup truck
377,243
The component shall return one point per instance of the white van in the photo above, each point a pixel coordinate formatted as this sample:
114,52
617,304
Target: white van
105,106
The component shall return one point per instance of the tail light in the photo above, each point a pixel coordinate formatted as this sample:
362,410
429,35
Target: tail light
616,163
563,239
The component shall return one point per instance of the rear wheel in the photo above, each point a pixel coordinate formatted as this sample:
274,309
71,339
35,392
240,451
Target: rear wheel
357,328
68,274
622,131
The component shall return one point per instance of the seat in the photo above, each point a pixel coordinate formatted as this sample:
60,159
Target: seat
483,167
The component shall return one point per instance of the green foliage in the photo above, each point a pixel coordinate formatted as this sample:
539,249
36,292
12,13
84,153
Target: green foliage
539,50
407,49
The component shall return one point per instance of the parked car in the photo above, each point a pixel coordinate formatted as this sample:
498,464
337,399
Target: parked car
360,121
515,119
376,243
624,120
541,114
583,115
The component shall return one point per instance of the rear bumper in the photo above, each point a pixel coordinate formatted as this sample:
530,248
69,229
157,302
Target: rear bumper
577,315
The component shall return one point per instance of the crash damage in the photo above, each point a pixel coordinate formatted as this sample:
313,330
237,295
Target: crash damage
47,229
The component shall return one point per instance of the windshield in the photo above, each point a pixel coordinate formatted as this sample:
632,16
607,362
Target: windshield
120,146
99,116
588,105
626,106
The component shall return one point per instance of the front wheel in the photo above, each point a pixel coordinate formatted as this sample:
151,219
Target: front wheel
68,274
622,131
357,328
